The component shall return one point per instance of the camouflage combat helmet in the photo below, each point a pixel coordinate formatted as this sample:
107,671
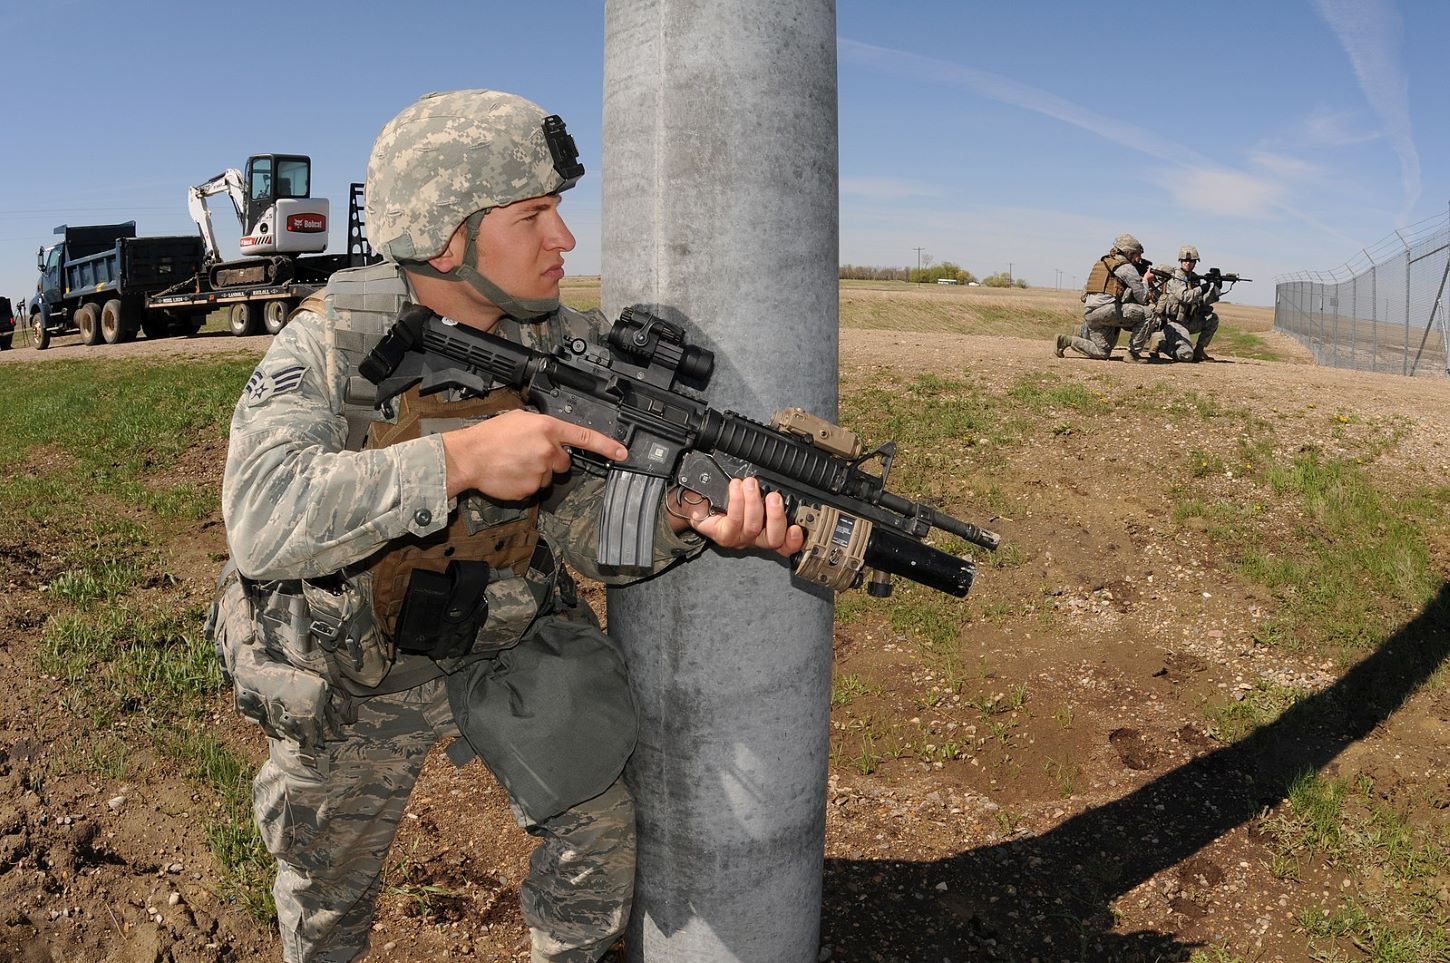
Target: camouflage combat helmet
1188,253
1127,245
449,158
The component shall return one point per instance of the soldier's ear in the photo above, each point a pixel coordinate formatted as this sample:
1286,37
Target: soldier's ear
452,255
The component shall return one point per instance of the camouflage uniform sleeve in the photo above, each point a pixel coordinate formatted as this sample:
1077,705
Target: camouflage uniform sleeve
296,503
570,521
1137,293
1183,298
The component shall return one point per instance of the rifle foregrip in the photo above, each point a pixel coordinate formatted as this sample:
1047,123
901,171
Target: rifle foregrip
627,518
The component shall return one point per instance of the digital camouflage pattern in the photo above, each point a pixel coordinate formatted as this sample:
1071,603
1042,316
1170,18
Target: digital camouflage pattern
447,156
575,900
1188,253
301,501
1104,315
1187,309
1127,244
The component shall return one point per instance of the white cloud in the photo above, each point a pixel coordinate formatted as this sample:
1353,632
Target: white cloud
1330,128
1282,165
1195,181
1211,190
1370,32
887,188
1008,91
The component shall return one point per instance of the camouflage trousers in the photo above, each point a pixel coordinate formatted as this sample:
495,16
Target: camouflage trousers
1100,326
330,816
1177,340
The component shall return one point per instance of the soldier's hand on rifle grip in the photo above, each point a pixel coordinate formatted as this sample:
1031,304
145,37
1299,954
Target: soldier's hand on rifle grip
512,455
748,521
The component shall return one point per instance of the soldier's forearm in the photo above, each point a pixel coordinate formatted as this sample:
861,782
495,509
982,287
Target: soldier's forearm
300,512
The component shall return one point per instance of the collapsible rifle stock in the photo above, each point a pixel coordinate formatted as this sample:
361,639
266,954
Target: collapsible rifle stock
637,389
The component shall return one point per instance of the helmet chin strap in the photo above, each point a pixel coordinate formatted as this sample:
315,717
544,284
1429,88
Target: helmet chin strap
524,309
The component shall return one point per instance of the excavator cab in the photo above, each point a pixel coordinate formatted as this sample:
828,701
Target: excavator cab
281,215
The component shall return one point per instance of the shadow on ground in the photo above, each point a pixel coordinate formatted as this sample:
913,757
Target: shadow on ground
1063,882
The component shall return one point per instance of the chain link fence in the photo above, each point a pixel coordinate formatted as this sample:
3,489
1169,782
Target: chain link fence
1384,310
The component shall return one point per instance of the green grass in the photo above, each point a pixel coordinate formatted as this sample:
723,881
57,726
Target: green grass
84,448
1241,344
1355,831
1361,562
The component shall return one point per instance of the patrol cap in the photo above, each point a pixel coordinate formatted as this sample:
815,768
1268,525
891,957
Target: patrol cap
454,153
1188,253
1127,244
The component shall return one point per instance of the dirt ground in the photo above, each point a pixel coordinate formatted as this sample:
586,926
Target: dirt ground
1106,825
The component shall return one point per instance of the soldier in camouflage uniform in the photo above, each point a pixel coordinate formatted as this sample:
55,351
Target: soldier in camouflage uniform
1187,309
1113,298
343,515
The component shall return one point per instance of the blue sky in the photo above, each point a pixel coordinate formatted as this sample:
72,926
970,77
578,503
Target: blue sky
1277,136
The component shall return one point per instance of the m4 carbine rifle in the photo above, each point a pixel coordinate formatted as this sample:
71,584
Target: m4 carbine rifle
637,390
1215,276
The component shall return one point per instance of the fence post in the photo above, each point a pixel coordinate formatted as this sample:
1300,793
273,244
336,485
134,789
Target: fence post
1374,311
1405,365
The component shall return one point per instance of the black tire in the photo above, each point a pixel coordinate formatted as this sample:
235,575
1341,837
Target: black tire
192,323
5,340
115,327
156,325
274,315
38,331
244,318
88,320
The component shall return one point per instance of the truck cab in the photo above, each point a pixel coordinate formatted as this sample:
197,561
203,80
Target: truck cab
49,288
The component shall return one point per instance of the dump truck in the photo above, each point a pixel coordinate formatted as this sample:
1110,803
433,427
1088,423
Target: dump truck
109,284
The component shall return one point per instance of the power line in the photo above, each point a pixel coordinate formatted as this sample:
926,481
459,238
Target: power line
81,210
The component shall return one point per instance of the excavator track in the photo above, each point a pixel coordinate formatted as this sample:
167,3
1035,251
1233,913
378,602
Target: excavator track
259,270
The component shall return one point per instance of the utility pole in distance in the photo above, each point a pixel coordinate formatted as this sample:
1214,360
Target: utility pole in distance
918,251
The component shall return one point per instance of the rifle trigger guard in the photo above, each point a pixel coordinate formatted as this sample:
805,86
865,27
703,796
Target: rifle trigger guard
702,474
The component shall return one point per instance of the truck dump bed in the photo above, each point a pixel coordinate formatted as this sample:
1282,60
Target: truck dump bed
110,257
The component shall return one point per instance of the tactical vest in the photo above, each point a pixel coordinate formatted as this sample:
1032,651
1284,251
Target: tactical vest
354,616
1102,280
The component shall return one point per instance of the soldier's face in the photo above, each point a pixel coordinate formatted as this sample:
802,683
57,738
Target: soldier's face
521,247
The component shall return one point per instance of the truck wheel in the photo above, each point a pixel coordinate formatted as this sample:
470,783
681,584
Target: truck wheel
192,323
88,320
39,332
5,340
114,327
243,318
275,315
155,325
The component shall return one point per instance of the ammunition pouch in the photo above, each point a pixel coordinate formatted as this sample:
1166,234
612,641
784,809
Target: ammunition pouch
443,611
289,702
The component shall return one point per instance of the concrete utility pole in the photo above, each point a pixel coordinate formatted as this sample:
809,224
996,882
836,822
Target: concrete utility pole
720,207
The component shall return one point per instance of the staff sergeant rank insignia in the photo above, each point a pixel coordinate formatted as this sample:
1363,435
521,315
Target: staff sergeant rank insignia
262,386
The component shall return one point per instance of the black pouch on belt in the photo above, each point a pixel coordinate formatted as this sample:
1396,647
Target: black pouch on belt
443,611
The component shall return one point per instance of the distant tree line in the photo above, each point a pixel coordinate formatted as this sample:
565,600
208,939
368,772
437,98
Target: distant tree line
930,274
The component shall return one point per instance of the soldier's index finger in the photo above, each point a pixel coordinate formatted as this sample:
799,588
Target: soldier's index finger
587,439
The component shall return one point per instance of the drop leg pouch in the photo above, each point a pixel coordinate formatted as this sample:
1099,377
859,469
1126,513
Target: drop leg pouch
552,717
